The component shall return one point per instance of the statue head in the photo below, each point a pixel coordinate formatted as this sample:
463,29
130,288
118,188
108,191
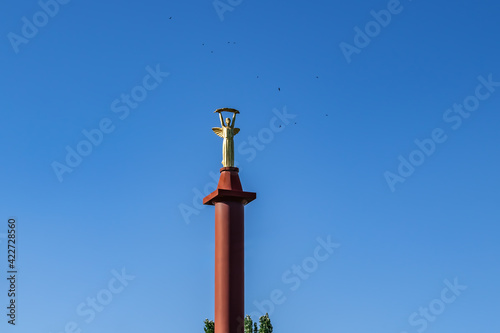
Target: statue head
228,121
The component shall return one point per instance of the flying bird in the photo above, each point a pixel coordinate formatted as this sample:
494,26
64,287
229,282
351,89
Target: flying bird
279,89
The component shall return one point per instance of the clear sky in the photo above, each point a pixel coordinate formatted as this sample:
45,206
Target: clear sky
369,130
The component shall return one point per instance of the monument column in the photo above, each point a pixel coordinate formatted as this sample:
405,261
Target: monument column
229,200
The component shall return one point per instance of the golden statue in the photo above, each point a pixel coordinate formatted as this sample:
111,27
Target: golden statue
227,132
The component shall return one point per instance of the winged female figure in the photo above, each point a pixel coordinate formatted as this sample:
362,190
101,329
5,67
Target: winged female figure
227,132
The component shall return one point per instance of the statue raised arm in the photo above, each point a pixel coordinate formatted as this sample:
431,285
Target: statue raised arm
234,119
221,120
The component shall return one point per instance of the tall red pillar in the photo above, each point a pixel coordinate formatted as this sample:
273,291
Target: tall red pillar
229,200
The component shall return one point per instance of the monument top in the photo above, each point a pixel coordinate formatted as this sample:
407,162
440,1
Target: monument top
227,131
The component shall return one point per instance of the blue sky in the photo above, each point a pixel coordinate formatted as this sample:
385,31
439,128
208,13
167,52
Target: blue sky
387,151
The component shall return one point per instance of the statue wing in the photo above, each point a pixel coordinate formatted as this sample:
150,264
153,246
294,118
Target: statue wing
218,131
236,131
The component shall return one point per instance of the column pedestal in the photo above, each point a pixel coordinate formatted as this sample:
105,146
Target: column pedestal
229,200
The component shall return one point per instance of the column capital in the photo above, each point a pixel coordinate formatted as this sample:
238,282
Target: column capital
229,189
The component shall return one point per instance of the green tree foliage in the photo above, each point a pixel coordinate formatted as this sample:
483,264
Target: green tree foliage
265,324
264,321
248,324
209,326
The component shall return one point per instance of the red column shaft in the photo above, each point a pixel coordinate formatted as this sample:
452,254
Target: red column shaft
229,267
